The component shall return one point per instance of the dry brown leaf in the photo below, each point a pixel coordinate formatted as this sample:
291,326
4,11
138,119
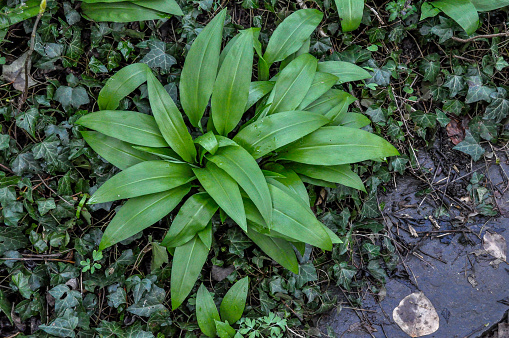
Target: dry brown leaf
15,73
455,131
495,245
416,316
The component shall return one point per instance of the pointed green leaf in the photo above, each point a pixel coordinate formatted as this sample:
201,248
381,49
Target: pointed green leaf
278,249
140,213
165,6
344,71
188,260
291,34
208,142
164,153
206,312
275,131
119,12
332,104
224,330
338,145
200,69
170,121
292,84
461,11
206,236
341,174
231,89
121,154
224,190
291,180
351,120
485,6
121,84
350,12
470,146
192,218
128,126
257,90
294,221
322,82
145,178
244,169
233,304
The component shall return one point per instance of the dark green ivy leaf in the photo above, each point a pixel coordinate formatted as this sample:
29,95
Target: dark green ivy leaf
157,56
470,146
477,91
430,66
424,120
455,83
497,110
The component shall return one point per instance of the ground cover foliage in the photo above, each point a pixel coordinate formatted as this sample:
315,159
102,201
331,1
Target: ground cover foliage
429,80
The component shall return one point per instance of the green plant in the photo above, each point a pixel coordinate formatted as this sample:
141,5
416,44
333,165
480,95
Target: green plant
88,265
213,322
464,12
267,326
300,132
350,12
96,10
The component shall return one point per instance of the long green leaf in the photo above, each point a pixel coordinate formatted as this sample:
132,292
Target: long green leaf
275,131
344,71
233,304
332,104
145,178
350,12
140,213
170,120
193,217
206,312
278,249
291,34
162,153
231,89
461,11
119,153
341,174
224,190
119,12
26,10
121,84
244,169
188,260
322,82
291,180
338,145
293,83
294,221
489,5
200,69
257,90
352,120
128,126
165,6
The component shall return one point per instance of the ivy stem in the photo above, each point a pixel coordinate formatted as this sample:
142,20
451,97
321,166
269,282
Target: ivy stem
487,36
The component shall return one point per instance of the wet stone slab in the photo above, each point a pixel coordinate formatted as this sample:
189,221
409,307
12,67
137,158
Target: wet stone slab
449,267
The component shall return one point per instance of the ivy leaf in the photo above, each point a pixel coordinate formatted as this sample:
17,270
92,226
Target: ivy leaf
377,114
135,331
377,271
486,129
97,66
344,274
453,106
65,298
157,57
445,30
110,329
470,146
399,164
28,120
442,118
45,205
22,284
62,326
237,242
455,83
424,120
25,163
380,76
372,250
431,67
476,90
497,110
370,207
150,303
47,150
71,97
307,273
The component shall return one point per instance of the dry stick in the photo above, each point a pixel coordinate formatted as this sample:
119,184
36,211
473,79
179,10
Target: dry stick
42,8
487,36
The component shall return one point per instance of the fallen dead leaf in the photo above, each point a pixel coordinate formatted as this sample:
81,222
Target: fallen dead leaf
455,131
15,73
416,316
413,233
495,245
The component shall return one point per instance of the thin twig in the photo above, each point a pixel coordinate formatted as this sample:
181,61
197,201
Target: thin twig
35,259
53,191
487,36
42,8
